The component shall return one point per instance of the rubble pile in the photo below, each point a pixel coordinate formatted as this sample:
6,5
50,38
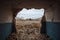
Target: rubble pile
28,32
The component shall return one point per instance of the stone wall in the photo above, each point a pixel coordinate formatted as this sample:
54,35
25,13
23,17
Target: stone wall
53,22
6,18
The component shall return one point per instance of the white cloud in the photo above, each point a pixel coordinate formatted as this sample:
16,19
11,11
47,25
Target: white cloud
30,13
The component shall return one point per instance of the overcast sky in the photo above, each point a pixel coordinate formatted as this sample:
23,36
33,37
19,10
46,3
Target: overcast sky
30,13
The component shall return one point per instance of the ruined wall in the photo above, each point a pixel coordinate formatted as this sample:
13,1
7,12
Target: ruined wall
53,22
52,18
5,20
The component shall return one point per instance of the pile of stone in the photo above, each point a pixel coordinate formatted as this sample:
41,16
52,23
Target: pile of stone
12,36
28,32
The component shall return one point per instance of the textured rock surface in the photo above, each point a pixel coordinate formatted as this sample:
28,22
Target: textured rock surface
13,36
29,31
